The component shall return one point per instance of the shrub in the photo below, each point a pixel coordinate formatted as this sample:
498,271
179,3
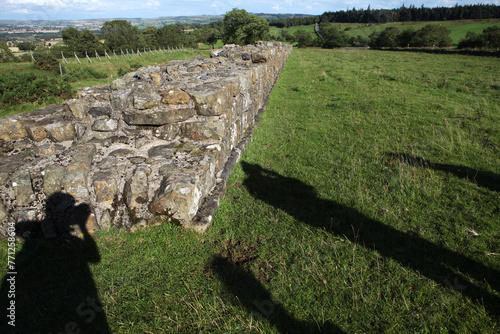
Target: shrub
85,73
46,62
31,88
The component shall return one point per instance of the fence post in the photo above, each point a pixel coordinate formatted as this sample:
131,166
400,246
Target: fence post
97,55
88,58
64,59
77,59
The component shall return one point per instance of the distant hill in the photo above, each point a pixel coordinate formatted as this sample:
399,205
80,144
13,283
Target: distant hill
140,22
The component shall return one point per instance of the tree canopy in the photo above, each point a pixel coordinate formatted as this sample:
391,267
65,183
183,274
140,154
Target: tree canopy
239,27
120,34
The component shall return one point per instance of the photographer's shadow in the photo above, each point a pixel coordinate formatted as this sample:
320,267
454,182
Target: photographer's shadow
54,291
434,261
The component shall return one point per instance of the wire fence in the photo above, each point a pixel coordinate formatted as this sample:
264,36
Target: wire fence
115,54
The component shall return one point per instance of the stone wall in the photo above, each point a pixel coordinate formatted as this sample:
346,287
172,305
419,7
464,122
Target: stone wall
152,146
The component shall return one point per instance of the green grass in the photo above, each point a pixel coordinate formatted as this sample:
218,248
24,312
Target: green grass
459,28
274,31
351,210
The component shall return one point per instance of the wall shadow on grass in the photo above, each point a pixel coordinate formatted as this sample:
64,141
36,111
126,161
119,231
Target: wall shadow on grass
258,301
433,261
483,179
52,282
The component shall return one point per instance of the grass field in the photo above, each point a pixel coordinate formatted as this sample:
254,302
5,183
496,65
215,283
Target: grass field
367,202
459,28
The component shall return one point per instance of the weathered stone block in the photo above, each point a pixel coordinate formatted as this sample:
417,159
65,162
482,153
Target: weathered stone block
157,116
168,131
37,132
145,101
105,125
208,129
259,57
21,182
78,107
174,97
100,111
178,197
136,188
75,181
12,129
121,99
105,188
61,131
162,151
53,176
210,101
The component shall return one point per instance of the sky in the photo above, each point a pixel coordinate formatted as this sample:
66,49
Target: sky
93,9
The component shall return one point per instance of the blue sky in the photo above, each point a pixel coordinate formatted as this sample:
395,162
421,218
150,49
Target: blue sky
91,9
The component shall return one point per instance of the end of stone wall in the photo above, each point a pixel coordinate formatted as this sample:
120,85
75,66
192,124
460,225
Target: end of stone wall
150,147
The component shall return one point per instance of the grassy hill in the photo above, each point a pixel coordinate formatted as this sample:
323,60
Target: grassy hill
367,202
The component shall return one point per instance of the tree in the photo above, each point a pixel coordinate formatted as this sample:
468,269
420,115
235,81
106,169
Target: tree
26,46
70,38
120,34
433,35
81,41
386,38
87,41
489,38
6,56
334,37
150,36
472,41
492,37
406,37
303,38
239,27
173,36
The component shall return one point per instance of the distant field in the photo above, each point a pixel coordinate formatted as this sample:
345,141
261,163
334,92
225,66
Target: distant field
367,202
458,28
277,31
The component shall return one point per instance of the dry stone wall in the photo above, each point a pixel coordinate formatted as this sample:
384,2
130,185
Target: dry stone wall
152,146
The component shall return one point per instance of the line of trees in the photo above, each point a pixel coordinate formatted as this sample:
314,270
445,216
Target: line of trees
121,35
412,13
402,14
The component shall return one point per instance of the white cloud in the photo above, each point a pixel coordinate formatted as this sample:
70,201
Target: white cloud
22,11
276,7
153,4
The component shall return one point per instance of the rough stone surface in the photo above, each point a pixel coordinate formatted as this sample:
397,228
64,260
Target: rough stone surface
153,146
